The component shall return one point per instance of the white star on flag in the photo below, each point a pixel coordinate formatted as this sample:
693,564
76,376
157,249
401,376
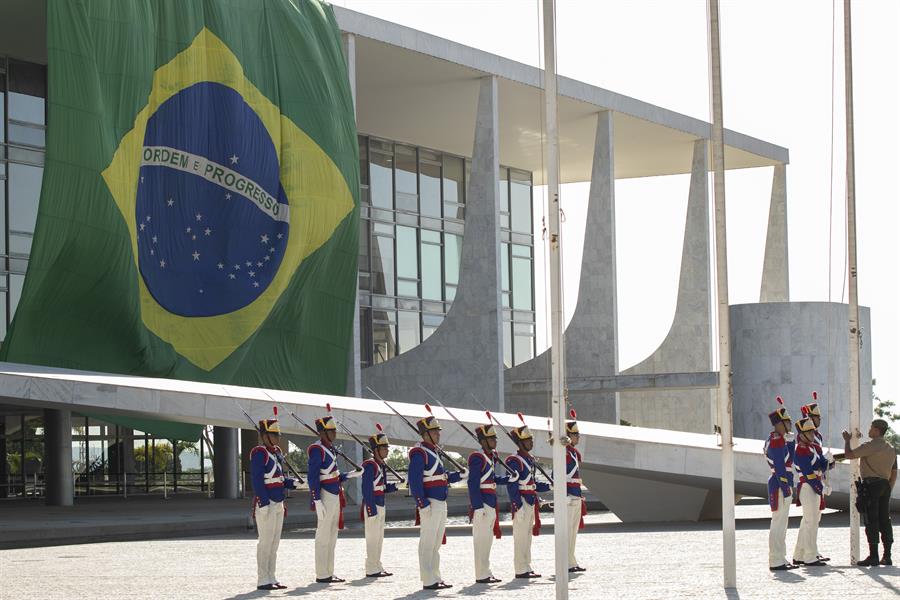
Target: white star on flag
188,230
258,264
152,252
266,257
148,218
252,273
193,237
264,239
231,276
237,267
142,226
221,266
255,284
207,231
142,179
199,217
272,249
201,291
162,264
228,196
170,202
280,235
196,255
234,158
249,264
154,239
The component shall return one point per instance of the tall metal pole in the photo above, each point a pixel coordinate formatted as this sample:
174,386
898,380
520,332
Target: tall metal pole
725,392
558,347
853,340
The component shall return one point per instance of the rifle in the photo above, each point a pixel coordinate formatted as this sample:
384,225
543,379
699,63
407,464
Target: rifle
316,433
366,447
414,428
466,429
278,455
537,465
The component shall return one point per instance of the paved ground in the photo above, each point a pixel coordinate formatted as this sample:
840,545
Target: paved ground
624,562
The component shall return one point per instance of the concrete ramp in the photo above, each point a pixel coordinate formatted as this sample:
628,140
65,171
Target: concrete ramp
640,474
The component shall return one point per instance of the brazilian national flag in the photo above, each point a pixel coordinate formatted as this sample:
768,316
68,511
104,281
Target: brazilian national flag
199,212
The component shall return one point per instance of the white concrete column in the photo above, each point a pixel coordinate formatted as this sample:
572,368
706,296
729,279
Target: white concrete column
60,487
225,462
775,285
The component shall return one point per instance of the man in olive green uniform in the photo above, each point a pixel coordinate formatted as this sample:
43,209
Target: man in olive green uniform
878,469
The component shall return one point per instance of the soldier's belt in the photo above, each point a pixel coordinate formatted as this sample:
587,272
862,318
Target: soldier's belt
526,487
430,478
335,479
573,481
269,480
488,486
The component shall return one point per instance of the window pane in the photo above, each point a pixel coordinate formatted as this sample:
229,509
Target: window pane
450,292
407,288
431,272
407,256
452,257
408,326
15,293
384,336
507,344
2,115
383,265
363,160
453,180
430,323
521,273
25,134
2,211
364,242
381,184
504,267
524,349
520,201
430,189
503,199
26,108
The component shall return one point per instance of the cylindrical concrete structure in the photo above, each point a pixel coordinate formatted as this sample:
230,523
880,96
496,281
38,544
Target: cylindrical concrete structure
226,462
60,487
791,349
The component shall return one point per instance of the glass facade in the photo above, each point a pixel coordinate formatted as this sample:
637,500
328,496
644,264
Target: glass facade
410,247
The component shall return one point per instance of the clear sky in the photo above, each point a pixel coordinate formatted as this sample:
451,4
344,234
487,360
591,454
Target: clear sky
777,86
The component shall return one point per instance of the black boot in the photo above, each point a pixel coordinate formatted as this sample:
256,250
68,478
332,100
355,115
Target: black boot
872,561
886,559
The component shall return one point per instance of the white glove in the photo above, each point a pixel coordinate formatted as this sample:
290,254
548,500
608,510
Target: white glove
354,474
827,490
320,509
464,473
426,511
829,457
479,513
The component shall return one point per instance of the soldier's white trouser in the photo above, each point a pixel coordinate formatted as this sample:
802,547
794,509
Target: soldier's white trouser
574,518
269,519
778,530
523,521
807,548
374,541
483,539
326,535
433,521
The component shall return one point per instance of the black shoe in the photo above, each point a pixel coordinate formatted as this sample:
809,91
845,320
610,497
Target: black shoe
381,574
490,579
528,575
331,579
815,563
797,563
267,587
822,558
886,560
279,586
440,585
871,561
577,569
784,568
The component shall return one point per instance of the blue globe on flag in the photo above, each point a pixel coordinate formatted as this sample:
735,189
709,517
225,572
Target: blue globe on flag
210,213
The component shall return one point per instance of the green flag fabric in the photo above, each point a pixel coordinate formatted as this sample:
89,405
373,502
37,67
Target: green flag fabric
199,212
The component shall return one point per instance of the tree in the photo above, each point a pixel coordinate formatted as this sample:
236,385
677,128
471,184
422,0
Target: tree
884,409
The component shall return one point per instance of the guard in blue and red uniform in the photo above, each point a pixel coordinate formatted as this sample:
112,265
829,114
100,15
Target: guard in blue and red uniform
577,508
779,451
486,472
810,463
428,482
814,414
523,501
269,484
326,497
374,486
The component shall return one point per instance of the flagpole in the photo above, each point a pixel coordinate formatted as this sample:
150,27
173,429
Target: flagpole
853,355
557,348
725,398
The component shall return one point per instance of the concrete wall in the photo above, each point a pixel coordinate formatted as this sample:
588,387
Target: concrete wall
790,349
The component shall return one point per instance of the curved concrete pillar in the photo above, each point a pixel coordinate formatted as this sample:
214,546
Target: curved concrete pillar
60,486
591,336
687,346
465,354
775,285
